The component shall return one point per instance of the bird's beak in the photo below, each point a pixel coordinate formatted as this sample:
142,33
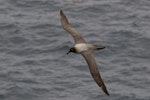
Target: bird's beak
68,52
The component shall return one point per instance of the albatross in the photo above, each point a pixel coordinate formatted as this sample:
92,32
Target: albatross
85,49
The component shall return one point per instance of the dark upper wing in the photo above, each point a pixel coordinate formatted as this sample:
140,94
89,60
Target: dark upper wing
65,23
94,70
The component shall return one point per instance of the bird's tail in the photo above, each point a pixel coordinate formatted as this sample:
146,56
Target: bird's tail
99,47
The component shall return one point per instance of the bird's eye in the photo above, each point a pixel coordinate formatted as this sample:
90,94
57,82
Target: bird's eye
71,49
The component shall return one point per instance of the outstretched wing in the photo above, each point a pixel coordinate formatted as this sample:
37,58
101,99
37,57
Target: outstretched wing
65,23
94,70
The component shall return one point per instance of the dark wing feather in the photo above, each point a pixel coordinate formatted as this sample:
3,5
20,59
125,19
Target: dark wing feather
94,70
65,23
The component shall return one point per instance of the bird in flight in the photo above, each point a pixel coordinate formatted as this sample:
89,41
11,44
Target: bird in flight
85,49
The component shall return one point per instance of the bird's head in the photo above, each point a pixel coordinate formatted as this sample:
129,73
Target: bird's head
71,50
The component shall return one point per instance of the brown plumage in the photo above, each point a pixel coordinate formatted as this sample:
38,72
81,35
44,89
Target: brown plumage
85,50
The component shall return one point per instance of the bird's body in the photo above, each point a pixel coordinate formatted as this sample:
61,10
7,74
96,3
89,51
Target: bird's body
85,50
80,47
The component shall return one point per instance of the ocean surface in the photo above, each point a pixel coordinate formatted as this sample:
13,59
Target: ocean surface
33,47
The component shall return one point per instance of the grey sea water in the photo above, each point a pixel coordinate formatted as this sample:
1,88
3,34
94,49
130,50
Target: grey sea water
33,46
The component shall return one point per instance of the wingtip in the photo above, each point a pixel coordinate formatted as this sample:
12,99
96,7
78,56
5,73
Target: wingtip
106,92
105,89
63,17
61,12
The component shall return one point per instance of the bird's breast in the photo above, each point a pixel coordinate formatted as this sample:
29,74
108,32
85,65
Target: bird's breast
81,47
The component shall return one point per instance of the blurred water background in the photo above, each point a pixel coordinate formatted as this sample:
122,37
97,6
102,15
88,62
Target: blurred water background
33,46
